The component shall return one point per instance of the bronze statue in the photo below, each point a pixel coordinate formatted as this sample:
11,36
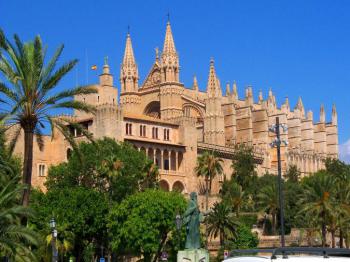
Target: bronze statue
192,219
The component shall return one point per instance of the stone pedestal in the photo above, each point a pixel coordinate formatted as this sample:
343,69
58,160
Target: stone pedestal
193,255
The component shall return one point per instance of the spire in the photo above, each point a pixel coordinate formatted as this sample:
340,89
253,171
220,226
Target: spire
195,84
322,114
249,95
129,75
300,106
310,115
213,88
169,45
234,90
228,91
129,58
170,59
334,115
261,98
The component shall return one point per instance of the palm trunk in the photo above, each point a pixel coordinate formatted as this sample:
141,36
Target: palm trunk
27,165
324,229
341,238
333,238
274,224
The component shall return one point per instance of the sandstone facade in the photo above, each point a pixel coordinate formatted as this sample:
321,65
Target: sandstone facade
172,123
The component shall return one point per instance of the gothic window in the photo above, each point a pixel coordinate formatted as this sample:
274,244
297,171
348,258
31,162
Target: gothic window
42,169
128,129
155,132
143,130
166,134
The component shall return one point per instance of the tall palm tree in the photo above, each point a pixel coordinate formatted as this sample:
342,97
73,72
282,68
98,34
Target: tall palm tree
268,201
317,201
208,166
221,223
233,195
29,96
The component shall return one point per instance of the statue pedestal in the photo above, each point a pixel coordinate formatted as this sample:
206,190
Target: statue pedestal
193,255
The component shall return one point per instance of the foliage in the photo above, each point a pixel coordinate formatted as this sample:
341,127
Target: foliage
232,195
143,223
317,201
107,166
268,201
245,239
243,165
15,239
80,215
209,166
221,223
29,96
292,174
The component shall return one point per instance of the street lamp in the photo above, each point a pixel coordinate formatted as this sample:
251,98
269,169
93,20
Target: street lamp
178,223
277,143
53,240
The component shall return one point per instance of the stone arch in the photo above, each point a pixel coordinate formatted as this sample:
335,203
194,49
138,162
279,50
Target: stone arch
164,185
178,186
152,109
191,110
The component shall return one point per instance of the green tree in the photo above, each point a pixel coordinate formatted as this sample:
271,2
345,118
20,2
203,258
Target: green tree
245,239
208,166
30,96
143,223
233,195
268,201
292,174
106,166
15,238
243,166
222,223
80,215
317,201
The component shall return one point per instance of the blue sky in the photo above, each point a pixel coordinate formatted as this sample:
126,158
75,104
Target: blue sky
298,48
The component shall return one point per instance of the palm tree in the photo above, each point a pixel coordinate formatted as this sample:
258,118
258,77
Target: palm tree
15,238
30,96
208,166
268,200
222,223
233,195
317,201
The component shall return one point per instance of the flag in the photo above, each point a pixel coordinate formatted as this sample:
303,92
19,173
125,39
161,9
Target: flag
94,67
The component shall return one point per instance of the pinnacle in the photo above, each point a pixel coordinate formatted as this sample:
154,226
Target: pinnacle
129,58
213,87
169,45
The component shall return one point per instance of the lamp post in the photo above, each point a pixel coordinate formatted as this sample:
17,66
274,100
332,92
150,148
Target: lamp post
277,143
53,240
178,223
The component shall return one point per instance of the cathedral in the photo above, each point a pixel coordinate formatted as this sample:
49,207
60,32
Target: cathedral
173,124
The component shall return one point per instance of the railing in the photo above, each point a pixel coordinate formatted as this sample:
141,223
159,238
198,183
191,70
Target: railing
170,172
228,151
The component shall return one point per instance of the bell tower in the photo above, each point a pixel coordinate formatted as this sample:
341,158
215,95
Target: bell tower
129,76
171,89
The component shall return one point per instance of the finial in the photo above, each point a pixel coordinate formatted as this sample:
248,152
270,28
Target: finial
261,98
168,17
157,53
106,60
128,29
228,91
211,60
